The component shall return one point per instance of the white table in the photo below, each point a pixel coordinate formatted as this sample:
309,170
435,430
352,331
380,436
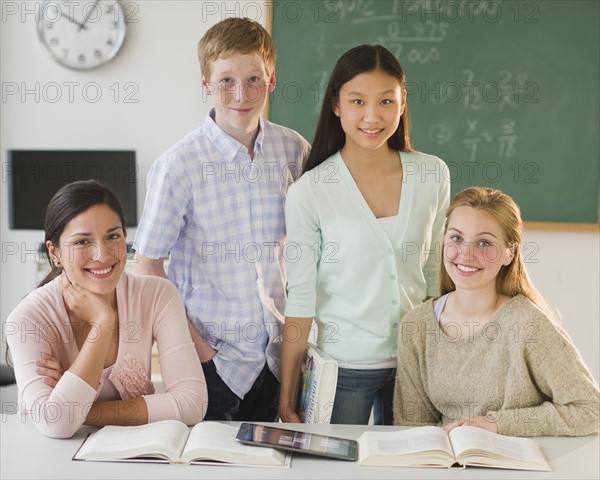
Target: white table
26,453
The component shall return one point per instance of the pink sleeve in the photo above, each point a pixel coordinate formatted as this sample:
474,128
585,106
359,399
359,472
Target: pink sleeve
32,328
186,396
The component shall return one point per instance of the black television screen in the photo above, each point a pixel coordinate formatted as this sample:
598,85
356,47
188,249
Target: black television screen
34,176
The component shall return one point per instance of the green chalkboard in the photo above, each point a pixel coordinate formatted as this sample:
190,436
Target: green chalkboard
505,92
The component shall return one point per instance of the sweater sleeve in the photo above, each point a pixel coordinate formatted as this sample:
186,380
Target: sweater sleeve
432,264
57,412
558,371
412,406
186,397
302,251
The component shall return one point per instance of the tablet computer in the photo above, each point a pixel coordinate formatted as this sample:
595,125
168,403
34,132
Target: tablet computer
295,441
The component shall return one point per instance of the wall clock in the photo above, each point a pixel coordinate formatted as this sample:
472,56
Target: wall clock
84,34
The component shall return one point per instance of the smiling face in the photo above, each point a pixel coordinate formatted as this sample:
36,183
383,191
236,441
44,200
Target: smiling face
92,250
239,85
370,106
474,249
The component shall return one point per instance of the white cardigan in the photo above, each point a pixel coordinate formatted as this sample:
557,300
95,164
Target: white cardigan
346,272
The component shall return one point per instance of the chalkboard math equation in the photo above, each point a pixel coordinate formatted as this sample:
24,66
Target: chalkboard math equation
505,92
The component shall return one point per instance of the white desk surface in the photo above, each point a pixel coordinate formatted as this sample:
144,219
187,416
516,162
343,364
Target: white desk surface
26,453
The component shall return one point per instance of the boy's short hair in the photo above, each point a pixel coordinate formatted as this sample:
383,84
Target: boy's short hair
235,35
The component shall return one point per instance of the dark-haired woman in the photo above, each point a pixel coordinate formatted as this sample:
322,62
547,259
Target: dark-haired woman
81,343
364,224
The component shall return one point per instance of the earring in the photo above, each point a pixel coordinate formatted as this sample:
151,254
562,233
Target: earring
56,262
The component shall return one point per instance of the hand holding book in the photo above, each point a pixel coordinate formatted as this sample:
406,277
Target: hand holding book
316,391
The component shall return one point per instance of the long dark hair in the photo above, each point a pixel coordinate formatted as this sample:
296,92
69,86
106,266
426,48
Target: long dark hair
329,136
71,200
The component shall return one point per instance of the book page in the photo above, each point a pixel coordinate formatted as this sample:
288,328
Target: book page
404,442
164,439
478,446
216,441
474,438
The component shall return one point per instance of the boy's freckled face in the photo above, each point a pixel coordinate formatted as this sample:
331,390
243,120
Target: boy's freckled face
239,86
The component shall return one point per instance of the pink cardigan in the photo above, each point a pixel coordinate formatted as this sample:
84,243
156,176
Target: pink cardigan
150,309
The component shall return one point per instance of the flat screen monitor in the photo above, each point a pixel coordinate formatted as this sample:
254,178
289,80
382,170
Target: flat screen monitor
34,176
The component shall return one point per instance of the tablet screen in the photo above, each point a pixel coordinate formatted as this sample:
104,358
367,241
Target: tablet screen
310,443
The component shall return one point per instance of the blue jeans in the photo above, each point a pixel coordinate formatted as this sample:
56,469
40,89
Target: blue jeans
260,404
360,391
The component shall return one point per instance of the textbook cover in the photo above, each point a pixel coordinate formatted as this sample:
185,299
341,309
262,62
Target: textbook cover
316,391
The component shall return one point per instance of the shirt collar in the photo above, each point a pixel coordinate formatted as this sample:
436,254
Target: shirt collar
226,144
258,143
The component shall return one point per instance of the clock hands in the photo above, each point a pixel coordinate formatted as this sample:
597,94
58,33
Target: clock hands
72,20
104,30
85,19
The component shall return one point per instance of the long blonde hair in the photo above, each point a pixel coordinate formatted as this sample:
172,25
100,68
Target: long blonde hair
512,279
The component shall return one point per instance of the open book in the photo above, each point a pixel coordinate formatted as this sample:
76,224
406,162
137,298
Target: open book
174,442
316,391
433,447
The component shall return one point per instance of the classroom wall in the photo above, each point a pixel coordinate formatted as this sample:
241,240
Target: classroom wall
145,99
151,96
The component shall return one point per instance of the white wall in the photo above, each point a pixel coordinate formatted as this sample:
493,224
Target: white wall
565,268
159,60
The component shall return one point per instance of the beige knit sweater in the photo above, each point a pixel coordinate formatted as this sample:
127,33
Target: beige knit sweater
520,368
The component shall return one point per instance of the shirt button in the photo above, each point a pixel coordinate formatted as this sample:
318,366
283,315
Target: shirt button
390,251
392,277
395,302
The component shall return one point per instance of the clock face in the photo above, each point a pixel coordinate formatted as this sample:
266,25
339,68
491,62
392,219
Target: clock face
84,34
